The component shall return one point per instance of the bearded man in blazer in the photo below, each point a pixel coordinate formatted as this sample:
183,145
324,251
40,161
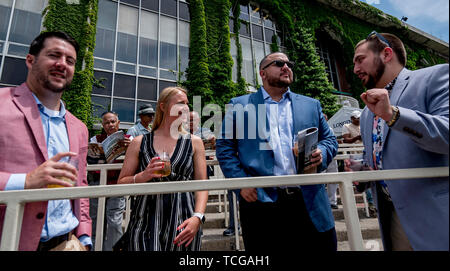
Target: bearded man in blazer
405,125
37,131
281,217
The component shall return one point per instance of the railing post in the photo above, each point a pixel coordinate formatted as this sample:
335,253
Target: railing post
351,216
12,226
100,214
236,222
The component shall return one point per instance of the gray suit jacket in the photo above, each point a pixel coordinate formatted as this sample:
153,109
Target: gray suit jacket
418,139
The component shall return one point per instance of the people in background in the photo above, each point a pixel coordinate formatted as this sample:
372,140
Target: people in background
146,115
114,206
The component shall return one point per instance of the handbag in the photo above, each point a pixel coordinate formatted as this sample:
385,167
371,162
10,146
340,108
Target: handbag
72,244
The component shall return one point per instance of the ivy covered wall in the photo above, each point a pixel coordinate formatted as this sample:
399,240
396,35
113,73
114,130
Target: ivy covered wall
78,20
301,20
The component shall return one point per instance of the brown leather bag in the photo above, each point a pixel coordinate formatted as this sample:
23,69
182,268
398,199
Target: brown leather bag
73,244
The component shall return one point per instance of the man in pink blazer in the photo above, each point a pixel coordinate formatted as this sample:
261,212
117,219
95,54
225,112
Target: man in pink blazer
36,132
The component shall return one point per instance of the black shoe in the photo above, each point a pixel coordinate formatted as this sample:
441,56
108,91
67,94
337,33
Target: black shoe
228,232
372,210
334,206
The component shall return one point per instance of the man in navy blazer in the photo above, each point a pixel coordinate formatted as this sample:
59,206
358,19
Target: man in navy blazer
411,109
266,124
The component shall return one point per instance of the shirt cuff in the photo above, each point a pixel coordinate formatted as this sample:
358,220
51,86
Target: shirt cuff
16,182
85,240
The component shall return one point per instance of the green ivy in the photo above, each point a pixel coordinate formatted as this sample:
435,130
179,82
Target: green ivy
79,21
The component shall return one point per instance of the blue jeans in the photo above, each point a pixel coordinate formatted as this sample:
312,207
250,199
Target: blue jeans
369,195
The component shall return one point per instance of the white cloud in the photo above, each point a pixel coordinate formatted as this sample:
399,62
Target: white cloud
437,9
371,2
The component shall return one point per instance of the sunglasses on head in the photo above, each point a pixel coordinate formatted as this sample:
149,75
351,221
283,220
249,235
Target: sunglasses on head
280,63
383,39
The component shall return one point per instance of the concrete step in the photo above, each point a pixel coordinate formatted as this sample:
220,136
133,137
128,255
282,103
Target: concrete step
369,229
368,245
213,240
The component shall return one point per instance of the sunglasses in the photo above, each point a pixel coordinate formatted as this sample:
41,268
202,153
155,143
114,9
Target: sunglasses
383,39
280,63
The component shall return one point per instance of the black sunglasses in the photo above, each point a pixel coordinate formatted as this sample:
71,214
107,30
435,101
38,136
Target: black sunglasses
383,39
281,63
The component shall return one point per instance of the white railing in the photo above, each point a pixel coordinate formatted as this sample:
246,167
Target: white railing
15,200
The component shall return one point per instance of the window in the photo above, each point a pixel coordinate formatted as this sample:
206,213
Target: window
169,7
106,26
148,42
256,34
147,89
330,64
184,45
14,71
168,47
105,79
26,22
150,4
164,84
127,34
184,11
125,109
5,12
124,85
100,105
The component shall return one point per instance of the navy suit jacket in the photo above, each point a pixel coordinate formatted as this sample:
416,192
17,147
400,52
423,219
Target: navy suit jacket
245,153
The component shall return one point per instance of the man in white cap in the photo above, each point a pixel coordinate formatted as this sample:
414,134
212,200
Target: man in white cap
146,114
351,132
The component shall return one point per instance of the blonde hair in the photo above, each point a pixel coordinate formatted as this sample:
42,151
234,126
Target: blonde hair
164,97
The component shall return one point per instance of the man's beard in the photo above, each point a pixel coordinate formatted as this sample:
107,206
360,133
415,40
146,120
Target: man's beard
46,82
373,80
276,82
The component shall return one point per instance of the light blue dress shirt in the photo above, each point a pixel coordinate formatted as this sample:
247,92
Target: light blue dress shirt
59,219
137,129
281,126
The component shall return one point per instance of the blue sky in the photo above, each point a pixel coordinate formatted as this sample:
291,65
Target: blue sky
430,16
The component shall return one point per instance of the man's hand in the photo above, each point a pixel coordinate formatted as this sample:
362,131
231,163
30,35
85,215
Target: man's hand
316,160
51,172
377,100
125,142
249,194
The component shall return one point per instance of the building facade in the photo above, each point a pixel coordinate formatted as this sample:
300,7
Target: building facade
142,46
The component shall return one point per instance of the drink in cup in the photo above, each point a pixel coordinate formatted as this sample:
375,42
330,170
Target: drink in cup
71,160
167,166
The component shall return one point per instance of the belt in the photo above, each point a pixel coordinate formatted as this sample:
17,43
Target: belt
288,190
47,245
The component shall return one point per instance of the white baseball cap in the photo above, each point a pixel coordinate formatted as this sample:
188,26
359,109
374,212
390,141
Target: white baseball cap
356,114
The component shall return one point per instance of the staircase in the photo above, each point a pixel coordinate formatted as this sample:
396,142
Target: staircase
213,240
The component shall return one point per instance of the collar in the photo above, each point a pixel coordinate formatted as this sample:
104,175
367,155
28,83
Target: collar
266,96
391,85
48,112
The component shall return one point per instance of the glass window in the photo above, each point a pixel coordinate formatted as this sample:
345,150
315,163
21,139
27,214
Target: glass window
184,45
169,7
245,29
269,23
125,109
105,79
18,50
147,71
132,2
5,12
247,61
106,28
269,34
184,11
257,32
103,64
255,15
128,68
147,89
148,42
168,49
233,51
258,48
171,75
231,25
124,85
26,23
127,35
100,105
150,4
164,84
14,71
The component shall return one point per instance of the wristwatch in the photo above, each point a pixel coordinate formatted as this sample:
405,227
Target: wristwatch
200,216
395,116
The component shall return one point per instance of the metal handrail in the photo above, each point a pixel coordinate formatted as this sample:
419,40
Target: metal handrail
15,200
